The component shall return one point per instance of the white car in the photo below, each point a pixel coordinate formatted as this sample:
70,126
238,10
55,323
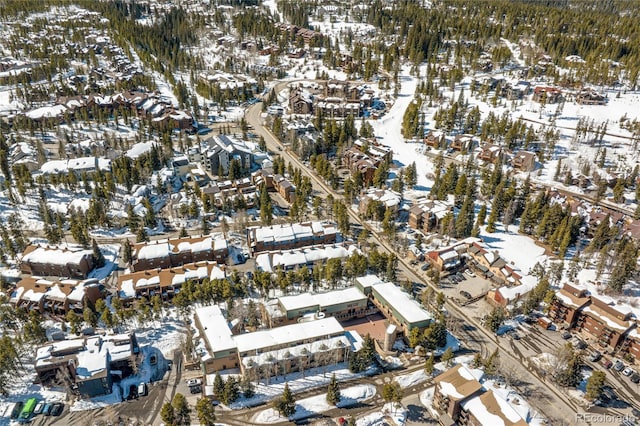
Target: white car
142,389
628,371
468,272
194,382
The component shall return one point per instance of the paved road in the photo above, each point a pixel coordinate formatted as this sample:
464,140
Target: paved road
555,405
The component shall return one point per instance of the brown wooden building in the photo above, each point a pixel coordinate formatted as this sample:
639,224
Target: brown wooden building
454,387
178,251
56,261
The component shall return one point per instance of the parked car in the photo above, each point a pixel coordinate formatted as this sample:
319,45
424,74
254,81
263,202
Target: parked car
628,371
17,408
142,389
566,335
425,267
195,389
57,409
466,294
618,365
580,344
470,273
607,363
635,378
460,277
47,409
514,335
194,382
39,408
595,356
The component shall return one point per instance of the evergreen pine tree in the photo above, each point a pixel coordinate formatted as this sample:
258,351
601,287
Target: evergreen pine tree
218,386
429,365
98,257
167,414
447,357
181,409
333,391
141,236
286,404
206,412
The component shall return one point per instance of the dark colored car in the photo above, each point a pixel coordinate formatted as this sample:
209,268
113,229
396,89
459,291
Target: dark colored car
635,378
425,267
566,335
57,409
466,294
580,344
16,410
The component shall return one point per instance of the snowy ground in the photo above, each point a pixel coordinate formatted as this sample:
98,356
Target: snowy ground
388,131
314,378
398,416
318,404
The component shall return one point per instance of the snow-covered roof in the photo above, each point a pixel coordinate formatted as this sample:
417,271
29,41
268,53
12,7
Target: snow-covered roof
46,112
511,293
321,300
368,280
54,255
163,248
290,232
140,148
270,261
288,334
77,164
400,301
171,277
215,328
490,409
386,196
458,383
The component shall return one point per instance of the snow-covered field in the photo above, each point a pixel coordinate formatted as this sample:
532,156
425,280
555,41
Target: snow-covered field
314,378
318,404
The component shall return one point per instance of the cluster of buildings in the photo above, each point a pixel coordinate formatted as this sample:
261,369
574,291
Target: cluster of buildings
166,283
220,192
152,106
521,160
364,157
607,324
56,261
87,365
425,214
173,252
215,154
290,236
333,99
275,182
296,31
55,296
460,399
306,330
386,198
309,256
